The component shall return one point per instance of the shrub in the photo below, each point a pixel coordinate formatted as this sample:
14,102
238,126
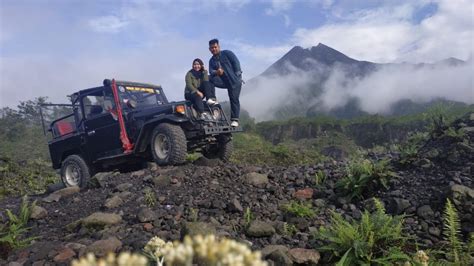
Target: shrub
202,250
365,176
150,198
376,239
122,259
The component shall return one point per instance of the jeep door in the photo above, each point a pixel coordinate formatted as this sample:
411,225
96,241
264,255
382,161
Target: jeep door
102,130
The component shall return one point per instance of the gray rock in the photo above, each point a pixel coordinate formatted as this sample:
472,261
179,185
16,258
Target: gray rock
304,256
123,187
260,229
267,250
235,206
38,212
280,258
425,212
197,228
460,193
146,215
62,193
256,179
101,219
434,231
138,173
103,247
100,179
399,205
113,202
162,181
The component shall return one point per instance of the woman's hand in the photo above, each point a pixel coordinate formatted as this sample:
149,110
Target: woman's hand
200,94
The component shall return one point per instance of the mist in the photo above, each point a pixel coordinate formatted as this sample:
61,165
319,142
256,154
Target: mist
327,88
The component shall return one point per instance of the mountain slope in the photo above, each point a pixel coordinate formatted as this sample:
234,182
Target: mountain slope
321,80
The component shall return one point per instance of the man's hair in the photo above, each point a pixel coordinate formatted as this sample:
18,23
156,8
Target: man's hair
213,41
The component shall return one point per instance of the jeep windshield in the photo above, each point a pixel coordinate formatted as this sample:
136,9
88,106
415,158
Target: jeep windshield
143,96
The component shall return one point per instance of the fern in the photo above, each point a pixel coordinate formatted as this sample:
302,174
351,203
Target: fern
12,233
452,231
376,238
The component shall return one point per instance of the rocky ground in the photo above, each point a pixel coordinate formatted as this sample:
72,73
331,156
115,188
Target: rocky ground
122,211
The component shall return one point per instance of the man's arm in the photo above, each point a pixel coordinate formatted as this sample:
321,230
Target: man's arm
234,61
212,67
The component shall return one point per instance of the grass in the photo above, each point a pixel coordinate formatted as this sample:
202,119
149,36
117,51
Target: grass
150,198
248,216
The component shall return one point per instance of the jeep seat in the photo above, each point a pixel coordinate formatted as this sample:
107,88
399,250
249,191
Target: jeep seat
63,127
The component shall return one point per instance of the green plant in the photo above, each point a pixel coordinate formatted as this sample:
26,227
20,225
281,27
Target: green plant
191,157
319,177
453,133
289,229
364,176
193,214
299,209
11,234
150,198
248,216
375,239
459,253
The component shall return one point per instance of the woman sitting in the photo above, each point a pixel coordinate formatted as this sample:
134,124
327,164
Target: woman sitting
198,87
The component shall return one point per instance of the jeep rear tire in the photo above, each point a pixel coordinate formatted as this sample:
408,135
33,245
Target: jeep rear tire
168,144
222,150
75,171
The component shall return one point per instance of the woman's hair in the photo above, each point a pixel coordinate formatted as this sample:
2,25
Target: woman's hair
200,62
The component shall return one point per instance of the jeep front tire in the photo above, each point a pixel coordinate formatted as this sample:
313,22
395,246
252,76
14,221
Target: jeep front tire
168,144
221,150
75,171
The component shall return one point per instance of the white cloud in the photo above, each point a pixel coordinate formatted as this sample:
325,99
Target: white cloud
279,6
388,34
107,24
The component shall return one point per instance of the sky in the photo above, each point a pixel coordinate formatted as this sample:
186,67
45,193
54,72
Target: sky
54,48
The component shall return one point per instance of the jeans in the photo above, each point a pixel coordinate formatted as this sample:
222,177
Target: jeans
234,94
209,92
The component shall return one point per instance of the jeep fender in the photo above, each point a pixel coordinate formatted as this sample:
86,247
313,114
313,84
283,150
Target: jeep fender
145,133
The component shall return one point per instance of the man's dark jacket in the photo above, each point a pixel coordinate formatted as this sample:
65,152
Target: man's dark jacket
230,64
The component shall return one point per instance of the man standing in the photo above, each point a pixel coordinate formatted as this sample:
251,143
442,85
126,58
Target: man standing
225,72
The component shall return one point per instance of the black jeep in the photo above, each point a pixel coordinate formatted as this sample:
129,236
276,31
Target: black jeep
122,123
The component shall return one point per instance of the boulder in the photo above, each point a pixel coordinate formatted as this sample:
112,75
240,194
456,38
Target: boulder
425,212
64,255
302,194
197,228
38,212
304,256
123,187
103,247
460,193
260,229
256,179
146,215
101,219
162,181
113,202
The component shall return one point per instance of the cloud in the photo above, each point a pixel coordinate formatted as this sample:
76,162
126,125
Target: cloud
279,6
390,33
107,24
378,91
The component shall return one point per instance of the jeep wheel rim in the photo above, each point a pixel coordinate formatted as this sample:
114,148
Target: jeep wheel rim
162,146
72,175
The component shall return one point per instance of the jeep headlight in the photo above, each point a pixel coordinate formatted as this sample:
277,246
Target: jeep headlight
216,114
180,109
